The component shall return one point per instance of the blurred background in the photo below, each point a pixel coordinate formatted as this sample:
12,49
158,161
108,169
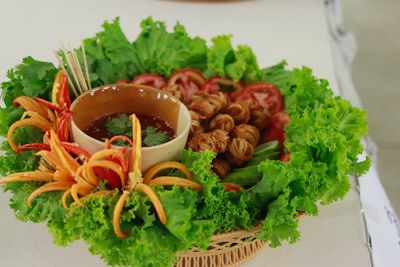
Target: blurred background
376,75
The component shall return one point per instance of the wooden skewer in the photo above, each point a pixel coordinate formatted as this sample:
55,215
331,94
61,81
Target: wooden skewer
86,66
62,65
78,68
70,59
70,66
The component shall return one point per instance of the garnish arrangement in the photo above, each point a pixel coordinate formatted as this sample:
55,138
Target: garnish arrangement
265,145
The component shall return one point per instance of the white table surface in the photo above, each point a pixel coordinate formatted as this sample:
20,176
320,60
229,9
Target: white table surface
275,29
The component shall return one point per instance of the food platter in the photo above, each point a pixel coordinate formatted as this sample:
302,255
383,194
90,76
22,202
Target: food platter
335,107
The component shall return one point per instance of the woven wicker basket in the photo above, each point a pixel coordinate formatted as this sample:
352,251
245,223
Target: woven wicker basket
226,249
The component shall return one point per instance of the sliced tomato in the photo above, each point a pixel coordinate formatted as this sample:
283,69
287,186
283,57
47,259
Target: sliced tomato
149,79
190,81
277,129
216,84
274,133
280,119
266,94
230,186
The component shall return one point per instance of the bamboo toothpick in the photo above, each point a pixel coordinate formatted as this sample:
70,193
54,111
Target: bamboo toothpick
70,66
62,65
86,65
78,69
70,59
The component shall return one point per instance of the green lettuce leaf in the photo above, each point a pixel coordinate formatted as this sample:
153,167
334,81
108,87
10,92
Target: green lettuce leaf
92,222
323,139
180,205
45,207
280,223
303,90
223,60
158,51
277,74
149,243
109,55
226,211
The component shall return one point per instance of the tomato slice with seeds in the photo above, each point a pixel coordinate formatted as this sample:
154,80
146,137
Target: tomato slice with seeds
149,79
266,94
190,81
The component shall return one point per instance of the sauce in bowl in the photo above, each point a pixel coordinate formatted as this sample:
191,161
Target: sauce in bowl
126,99
155,130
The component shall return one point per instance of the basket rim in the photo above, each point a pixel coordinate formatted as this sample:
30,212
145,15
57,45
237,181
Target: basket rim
240,233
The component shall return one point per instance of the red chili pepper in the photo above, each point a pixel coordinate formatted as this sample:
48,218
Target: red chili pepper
75,149
123,162
48,104
100,172
64,93
62,129
230,186
34,146
111,177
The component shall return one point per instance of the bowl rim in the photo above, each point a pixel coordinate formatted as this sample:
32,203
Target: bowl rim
144,88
